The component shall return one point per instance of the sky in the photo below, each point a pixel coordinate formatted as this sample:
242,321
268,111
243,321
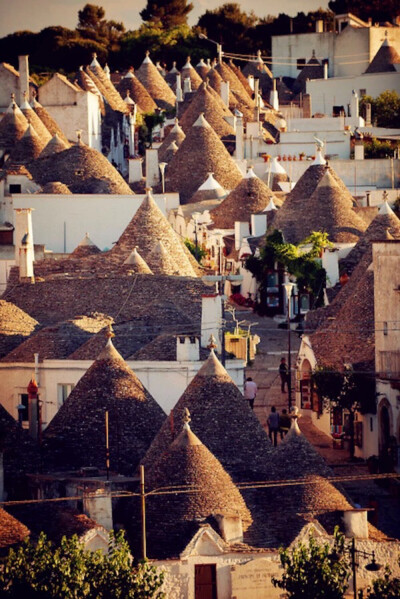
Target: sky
34,15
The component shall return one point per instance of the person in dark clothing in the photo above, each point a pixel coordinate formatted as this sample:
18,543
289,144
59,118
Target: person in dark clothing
283,373
285,423
273,425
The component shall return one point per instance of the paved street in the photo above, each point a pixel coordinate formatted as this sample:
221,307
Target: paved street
264,371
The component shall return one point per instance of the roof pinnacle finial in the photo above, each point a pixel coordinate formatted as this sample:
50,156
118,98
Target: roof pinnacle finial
12,97
186,417
110,333
212,343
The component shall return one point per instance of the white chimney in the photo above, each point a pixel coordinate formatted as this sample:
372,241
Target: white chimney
256,91
187,86
98,506
330,262
225,92
135,170
231,528
258,224
211,317
368,114
273,97
239,153
152,168
23,66
187,349
354,108
242,229
23,225
359,149
178,92
356,523
325,70
250,79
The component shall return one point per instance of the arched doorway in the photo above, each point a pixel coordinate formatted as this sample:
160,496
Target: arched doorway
305,385
385,440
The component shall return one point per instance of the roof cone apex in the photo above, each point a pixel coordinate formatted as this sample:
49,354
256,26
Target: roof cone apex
212,367
201,121
95,62
186,438
109,352
327,180
147,60
86,241
210,183
250,174
275,167
319,159
385,209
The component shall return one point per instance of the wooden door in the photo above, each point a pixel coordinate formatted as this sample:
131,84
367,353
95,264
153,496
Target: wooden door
205,581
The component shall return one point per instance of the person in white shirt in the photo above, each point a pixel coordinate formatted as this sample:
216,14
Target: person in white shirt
250,391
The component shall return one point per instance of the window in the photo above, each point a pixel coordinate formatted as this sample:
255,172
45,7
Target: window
301,62
205,581
14,188
63,390
385,328
363,92
24,411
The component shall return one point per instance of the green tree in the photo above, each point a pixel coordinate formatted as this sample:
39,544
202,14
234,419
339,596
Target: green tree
45,571
314,570
387,587
348,390
385,108
167,13
230,26
195,250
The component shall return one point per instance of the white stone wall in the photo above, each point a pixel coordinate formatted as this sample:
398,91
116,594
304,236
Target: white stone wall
287,49
337,91
166,381
8,86
103,216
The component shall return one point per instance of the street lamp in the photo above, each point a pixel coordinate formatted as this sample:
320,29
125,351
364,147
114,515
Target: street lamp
219,46
289,289
220,279
373,566
162,166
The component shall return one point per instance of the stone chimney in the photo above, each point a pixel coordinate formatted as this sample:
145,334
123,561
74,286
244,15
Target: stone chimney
325,70
187,86
135,170
258,224
152,168
187,349
23,225
231,528
239,153
211,315
368,114
33,400
356,523
23,66
354,107
178,92
98,506
241,230
274,99
330,261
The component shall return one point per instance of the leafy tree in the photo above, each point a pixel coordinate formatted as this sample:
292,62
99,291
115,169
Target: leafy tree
230,26
387,587
167,13
196,251
385,108
348,390
91,17
304,265
314,570
69,572
377,10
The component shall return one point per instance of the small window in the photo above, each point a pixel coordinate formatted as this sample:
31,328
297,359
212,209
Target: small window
63,390
363,92
301,63
385,328
371,424
14,188
24,411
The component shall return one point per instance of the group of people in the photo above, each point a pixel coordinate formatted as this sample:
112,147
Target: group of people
278,423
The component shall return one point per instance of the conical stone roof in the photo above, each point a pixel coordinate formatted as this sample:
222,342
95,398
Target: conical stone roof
385,59
312,70
146,229
243,80
12,531
209,190
110,93
85,248
28,148
188,71
55,187
235,84
76,435
33,119
202,68
161,262
291,219
82,169
330,209
189,464
275,174
223,420
214,112
200,153
136,263
12,127
56,144
48,121
385,221
169,153
251,196
176,135
170,77
154,83
15,326
137,92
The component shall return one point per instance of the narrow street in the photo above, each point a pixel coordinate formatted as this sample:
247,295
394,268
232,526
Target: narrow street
264,371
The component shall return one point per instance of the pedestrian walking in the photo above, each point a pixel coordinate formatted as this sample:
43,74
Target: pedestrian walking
273,425
250,391
283,373
285,423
